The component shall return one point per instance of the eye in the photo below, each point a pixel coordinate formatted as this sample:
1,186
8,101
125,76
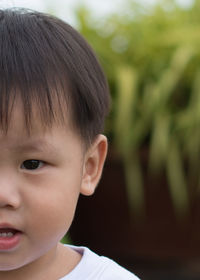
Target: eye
32,164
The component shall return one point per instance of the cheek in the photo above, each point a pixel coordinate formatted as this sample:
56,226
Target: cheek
51,206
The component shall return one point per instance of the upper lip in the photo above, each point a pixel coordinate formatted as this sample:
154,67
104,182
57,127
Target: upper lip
7,225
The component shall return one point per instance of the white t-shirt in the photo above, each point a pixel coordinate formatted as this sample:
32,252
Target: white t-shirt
95,267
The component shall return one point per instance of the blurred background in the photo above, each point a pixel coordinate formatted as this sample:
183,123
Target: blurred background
145,213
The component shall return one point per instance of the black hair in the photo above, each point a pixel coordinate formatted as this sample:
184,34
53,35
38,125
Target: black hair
44,59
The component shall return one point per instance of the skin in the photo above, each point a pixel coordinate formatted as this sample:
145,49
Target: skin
41,202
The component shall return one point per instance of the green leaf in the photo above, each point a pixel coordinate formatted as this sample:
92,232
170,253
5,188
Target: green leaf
159,145
134,185
177,181
125,108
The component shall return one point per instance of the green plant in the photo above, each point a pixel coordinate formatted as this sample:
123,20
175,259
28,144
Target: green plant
151,57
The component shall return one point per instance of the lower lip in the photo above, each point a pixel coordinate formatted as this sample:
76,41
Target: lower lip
8,243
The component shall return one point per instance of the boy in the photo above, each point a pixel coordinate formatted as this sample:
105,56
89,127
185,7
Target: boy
53,100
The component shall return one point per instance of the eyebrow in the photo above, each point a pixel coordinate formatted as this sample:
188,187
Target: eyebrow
35,146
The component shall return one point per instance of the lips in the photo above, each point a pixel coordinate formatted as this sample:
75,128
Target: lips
10,237
6,230
5,227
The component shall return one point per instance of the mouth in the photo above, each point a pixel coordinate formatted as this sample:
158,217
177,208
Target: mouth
9,237
8,232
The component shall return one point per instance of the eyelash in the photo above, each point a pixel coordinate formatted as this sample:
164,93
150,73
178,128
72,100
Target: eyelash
34,161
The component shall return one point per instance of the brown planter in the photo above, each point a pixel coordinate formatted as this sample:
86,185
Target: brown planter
103,221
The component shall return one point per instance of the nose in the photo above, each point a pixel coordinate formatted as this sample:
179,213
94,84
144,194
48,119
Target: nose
9,193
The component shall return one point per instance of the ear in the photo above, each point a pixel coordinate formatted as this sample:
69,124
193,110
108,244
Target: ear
93,165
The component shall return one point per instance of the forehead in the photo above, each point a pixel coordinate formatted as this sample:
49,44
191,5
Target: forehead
35,117
39,137
38,122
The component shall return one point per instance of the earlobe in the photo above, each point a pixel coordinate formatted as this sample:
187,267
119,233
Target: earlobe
93,165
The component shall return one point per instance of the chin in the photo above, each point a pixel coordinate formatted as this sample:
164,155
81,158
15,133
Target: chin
8,266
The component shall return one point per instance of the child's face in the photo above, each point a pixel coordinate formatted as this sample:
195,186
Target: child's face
41,202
